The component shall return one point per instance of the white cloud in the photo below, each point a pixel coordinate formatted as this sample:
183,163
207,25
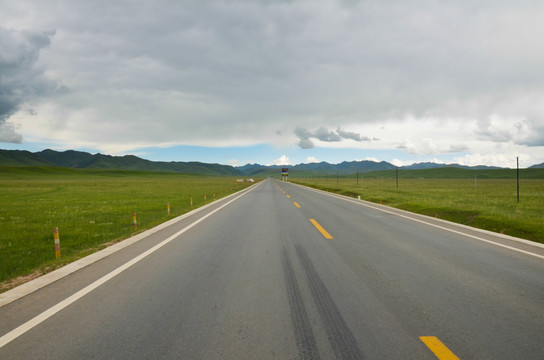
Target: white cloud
398,162
495,159
233,162
311,159
283,160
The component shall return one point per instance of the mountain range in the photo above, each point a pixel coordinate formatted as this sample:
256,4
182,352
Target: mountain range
84,160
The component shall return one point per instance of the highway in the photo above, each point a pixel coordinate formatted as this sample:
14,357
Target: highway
281,271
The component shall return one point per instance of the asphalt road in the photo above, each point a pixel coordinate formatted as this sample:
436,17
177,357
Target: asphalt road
285,272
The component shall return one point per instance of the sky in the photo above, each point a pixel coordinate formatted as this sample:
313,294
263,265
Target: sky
276,82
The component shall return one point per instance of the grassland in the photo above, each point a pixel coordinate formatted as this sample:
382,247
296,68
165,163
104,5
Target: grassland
489,204
91,208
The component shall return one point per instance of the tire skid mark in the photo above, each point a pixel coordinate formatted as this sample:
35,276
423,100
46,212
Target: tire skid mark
304,335
340,336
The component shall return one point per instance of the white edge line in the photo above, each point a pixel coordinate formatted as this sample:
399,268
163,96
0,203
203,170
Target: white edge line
375,207
33,285
15,333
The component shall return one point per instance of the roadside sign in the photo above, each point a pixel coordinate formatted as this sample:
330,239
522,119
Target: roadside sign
284,173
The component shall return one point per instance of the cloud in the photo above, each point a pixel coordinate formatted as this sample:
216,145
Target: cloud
532,133
487,131
351,135
304,138
311,159
233,162
325,135
222,73
283,160
494,159
398,162
428,146
20,77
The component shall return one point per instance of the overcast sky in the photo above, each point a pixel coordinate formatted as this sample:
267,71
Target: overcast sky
237,81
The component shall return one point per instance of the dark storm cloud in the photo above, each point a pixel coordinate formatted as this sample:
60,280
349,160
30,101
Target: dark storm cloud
20,78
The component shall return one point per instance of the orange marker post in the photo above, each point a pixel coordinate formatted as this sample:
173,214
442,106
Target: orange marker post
57,243
134,221
191,202
168,206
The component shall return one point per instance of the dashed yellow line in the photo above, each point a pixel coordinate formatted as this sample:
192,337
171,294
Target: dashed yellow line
438,348
296,204
288,196
321,230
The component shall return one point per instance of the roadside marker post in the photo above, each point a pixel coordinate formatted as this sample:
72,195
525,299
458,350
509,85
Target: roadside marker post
191,202
168,206
57,242
134,221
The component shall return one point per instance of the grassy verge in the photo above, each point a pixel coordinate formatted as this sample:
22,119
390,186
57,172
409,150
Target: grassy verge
91,209
486,204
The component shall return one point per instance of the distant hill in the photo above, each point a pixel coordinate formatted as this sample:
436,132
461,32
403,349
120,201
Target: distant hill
349,168
365,168
84,160
431,165
22,158
321,168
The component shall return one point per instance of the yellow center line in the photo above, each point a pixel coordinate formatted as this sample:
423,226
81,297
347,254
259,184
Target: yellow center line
296,204
438,348
321,230
288,196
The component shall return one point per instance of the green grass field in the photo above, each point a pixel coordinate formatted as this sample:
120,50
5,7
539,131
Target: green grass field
91,208
489,204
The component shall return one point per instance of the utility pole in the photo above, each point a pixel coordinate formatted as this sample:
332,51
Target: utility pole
517,173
